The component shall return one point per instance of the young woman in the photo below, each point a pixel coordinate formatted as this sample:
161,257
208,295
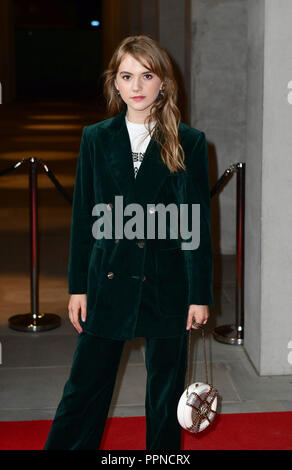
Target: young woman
124,281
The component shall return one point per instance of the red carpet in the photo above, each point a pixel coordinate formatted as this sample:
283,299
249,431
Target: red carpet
244,431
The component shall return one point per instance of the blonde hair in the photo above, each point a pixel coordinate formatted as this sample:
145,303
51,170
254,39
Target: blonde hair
164,110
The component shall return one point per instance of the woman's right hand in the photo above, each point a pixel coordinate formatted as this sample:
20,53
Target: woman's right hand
77,302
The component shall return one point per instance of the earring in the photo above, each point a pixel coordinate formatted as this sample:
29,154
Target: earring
118,93
161,92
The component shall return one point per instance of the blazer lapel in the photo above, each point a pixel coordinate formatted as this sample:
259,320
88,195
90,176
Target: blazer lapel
151,174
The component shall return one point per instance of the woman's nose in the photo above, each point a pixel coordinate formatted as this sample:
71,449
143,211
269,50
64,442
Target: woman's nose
136,84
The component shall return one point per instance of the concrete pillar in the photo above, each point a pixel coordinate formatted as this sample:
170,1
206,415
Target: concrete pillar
218,100
268,273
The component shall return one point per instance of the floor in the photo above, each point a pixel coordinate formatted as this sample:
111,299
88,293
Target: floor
35,366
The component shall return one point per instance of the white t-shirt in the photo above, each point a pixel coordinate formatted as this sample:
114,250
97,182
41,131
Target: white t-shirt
137,132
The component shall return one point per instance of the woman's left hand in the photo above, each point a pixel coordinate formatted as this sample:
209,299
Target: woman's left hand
200,313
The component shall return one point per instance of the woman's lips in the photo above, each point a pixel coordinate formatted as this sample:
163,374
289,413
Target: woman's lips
138,98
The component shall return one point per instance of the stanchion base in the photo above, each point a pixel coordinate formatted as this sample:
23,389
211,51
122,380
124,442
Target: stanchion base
228,334
26,322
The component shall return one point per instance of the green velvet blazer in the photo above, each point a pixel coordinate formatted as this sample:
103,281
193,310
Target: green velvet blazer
112,272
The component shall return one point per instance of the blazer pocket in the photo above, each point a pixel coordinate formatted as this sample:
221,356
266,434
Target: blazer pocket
171,282
95,270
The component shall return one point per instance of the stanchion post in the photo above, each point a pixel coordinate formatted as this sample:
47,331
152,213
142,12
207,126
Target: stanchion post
34,321
33,215
240,215
233,334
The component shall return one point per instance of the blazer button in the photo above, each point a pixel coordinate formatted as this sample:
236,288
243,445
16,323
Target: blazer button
141,244
110,275
116,240
144,278
109,206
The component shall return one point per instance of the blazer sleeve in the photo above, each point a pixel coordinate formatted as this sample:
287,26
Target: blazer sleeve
81,238
199,261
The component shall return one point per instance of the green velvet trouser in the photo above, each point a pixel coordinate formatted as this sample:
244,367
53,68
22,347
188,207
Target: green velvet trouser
82,412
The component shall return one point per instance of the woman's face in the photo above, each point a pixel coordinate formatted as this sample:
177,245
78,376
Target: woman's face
133,80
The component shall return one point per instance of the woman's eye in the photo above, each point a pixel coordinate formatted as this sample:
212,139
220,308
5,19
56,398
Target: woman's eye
148,75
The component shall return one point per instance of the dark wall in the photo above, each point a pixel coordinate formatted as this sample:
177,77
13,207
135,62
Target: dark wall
57,51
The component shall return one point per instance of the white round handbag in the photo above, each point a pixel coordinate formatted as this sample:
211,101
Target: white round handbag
197,406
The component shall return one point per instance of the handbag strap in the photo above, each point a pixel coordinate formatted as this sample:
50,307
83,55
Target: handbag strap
189,354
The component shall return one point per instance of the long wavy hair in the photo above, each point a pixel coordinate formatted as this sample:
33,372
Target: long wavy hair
164,111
